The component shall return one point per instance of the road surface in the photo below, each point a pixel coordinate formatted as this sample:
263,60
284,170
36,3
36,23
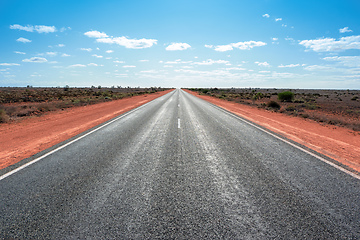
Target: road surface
179,167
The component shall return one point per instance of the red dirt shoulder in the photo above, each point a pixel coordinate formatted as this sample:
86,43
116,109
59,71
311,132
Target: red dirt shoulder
338,143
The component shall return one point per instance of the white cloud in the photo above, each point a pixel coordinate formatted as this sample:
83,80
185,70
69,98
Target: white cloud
37,28
289,66
240,45
317,68
274,39
263,64
209,46
93,64
129,66
35,60
17,52
266,15
96,34
109,51
278,19
330,44
344,30
27,28
129,43
211,62
9,64
86,49
122,41
53,54
236,68
45,29
65,55
348,61
223,48
77,65
97,56
144,60
178,61
23,40
60,45
117,61
177,46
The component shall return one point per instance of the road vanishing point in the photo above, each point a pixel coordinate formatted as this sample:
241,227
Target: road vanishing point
178,167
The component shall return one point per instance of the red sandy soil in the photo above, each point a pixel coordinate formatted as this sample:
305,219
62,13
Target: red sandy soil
340,144
20,140
27,137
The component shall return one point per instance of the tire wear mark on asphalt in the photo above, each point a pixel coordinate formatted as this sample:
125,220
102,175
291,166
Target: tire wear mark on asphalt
143,177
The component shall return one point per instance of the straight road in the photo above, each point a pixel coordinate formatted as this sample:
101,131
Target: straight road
179,167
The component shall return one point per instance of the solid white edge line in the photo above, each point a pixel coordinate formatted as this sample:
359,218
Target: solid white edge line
75,140
178,122
302,149
290,143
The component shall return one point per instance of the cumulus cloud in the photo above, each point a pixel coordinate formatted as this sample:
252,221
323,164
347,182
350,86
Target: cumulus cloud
96,34
45,29
266,15
240,45
278,19
348,61
122,41
9,64
344,30
37,28
318,68
97,56
109,51
17,52
129,66
35,60
211,62
331,44
289,66
27,28
263,64
177,46
65,55
86,49
129,43
53,54
93,64
223,48
77,65
23,40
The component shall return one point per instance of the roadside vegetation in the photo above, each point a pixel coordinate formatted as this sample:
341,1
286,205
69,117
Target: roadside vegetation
16,103
334,107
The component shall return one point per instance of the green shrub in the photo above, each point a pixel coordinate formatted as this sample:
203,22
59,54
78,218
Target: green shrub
258,96
291,108
273,104
286,96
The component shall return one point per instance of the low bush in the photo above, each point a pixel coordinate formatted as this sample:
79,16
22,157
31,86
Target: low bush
3,116
286,96
273,104
291,108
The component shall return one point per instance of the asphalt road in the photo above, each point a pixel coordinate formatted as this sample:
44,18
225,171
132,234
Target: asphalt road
179,168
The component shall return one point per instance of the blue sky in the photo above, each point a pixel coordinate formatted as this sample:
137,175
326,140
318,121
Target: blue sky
266,43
